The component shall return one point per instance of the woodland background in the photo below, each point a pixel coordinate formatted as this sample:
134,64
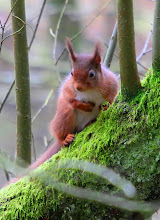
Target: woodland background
43,73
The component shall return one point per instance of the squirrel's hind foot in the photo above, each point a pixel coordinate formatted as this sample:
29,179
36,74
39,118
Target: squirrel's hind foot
68,140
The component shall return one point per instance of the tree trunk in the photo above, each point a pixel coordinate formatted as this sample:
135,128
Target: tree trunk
21,81
130,82
156,34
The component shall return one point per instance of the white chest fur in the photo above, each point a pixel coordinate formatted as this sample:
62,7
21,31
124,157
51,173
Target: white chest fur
82,118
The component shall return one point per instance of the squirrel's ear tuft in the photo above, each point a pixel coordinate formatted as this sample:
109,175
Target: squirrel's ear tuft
97,54
70,49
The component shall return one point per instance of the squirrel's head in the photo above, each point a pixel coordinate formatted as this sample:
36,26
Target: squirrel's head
86,69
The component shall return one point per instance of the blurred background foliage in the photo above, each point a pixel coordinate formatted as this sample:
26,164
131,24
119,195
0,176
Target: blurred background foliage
43,73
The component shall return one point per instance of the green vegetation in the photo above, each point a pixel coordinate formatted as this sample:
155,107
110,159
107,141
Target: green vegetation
125,138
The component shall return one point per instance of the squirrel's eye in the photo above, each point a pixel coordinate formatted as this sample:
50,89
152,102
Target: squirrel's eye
91,74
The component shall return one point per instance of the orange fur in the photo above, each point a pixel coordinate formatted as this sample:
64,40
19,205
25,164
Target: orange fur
77,93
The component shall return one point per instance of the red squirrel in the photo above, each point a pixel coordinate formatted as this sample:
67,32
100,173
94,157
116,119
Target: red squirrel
81,94
88,85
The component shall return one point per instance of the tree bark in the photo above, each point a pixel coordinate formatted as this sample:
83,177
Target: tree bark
156,34
22,81
130,82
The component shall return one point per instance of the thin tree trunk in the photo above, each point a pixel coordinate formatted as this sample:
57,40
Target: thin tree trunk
130,82
156,35
22,82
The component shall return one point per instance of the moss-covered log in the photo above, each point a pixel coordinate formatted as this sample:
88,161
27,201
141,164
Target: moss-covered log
125,138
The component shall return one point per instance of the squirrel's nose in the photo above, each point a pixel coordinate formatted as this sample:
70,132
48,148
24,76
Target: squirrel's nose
79,88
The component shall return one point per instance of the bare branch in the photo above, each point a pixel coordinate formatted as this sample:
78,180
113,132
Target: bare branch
11,87
44,104
57,29
111,47
141,74
6,97
6,174
4,25
142,66
80,32
48,143
137,62
38,21
56,35
10,13
16,32
143,52
148,51
2,39
51,32
22,21
34,148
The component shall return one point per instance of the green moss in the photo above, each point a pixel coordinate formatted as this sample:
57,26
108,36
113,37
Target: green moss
126,137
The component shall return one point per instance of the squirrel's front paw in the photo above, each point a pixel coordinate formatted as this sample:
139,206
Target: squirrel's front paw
88,107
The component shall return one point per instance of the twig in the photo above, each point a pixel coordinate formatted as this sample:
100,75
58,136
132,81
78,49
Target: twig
57,29
137,62
22,21
148,51
2,36
44,104
10,89
4,25
80,32
6,174
48,144
34,149
142,66
6,97
2,39
38,21
145,46
56,35
111,47
51,32
10,13
45,141
16,32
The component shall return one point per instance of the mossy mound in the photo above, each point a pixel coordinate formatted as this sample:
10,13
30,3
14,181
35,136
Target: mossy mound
126,138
